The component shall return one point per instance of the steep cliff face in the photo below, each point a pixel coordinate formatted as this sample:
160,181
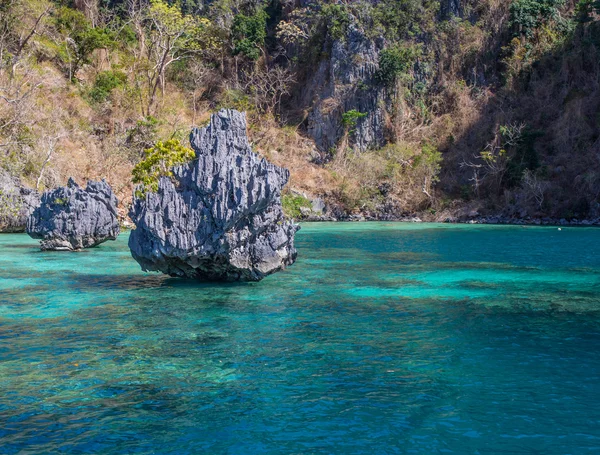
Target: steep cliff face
72,218
221,216
16,203
449,8
344,81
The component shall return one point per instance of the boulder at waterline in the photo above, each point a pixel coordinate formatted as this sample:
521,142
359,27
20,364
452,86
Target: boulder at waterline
16,203
219,218
72,218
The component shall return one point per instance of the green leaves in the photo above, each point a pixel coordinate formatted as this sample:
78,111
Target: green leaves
249,33
337,20
399,18
292,205
528,15
105,83
81,39
395,61
158,163
350,119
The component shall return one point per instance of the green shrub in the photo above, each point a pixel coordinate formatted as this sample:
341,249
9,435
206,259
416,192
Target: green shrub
159,162
292,204
395,61
105,83
398,18
249,33
236,99
337,20
528,15
350,119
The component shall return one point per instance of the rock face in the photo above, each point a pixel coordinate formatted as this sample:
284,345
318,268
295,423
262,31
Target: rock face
16,204
450,8
220,218
343,82
72,218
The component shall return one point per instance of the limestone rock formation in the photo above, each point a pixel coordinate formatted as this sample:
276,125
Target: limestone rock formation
16,203
220,218
72,218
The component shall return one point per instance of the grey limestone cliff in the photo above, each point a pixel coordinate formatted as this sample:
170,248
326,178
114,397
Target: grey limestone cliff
72,218
16,203
346,81
220,217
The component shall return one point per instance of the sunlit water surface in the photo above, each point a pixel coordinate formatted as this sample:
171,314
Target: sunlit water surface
381,339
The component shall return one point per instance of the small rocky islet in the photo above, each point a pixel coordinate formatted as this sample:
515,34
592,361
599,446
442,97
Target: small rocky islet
218,218
72,218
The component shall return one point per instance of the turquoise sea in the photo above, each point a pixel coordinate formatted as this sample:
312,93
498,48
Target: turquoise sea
382,339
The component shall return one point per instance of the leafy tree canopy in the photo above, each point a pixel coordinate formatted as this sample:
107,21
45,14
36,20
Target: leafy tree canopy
249,33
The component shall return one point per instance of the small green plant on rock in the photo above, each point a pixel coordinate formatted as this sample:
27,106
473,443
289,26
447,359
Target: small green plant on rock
292,203
10,206
61,201
350,119
158,163
396,61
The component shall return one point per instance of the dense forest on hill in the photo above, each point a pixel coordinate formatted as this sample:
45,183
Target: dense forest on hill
381,108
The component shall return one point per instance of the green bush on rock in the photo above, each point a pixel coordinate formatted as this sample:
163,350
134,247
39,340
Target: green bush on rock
292,203
158,163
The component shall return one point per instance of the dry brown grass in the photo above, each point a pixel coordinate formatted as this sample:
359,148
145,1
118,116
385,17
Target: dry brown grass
287,148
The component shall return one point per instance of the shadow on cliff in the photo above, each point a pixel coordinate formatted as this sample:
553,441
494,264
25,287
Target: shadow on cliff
557,99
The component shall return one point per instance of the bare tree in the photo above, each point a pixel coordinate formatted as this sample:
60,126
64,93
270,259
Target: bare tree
535,187
199,73
90,9
16,104
492,162
48,144
269,86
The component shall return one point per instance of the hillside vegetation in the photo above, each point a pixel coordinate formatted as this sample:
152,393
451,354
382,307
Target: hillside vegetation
382,108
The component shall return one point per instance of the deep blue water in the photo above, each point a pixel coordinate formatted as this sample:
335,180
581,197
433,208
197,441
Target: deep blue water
382,339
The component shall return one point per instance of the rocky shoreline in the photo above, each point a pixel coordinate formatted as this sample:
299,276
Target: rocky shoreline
428,218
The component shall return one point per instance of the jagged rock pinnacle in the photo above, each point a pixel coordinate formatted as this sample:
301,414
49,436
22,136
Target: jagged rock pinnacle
220,217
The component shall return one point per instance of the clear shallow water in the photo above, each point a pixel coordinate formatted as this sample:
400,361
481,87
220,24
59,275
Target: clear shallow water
382,339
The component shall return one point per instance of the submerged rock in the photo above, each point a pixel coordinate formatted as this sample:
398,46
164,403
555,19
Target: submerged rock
220,217
16,203
72,218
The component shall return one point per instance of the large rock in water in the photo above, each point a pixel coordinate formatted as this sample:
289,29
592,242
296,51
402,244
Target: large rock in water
220,218
72,218
16,203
